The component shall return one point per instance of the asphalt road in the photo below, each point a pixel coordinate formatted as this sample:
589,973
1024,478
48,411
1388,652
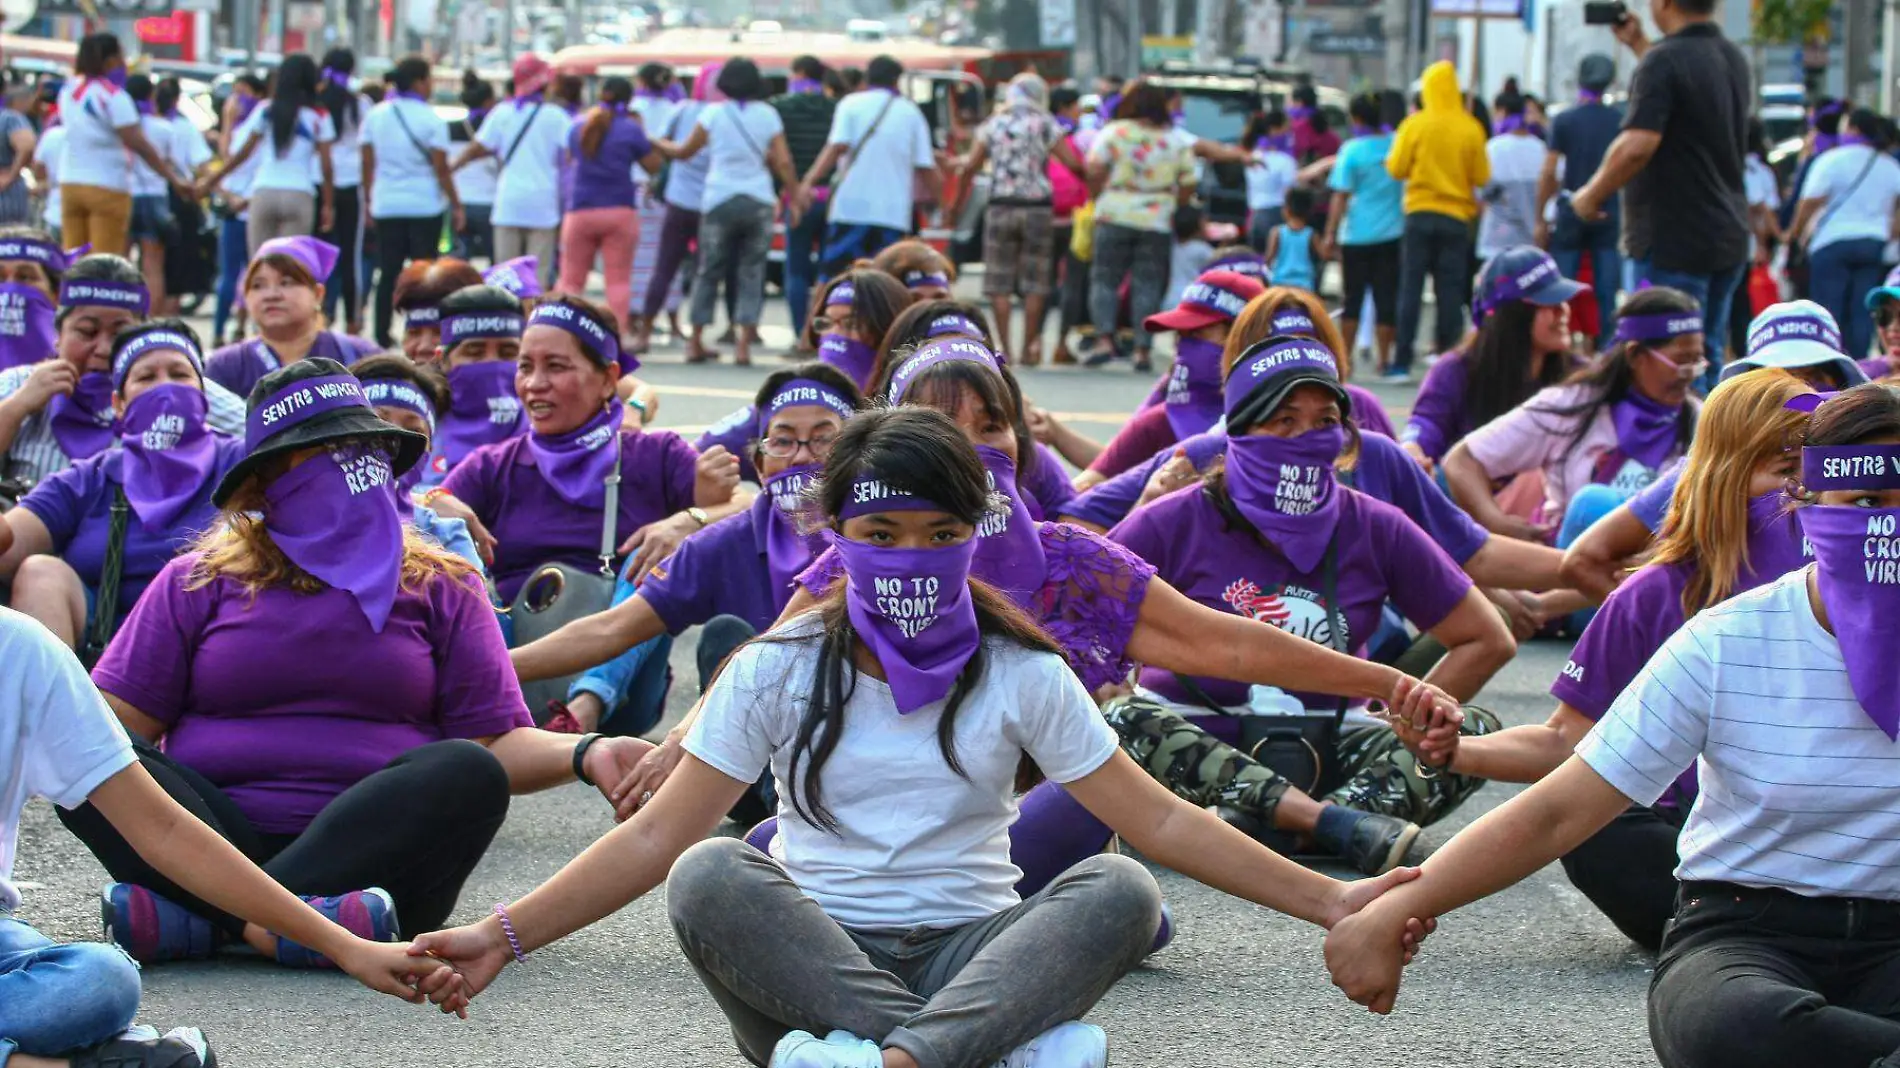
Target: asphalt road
1532,977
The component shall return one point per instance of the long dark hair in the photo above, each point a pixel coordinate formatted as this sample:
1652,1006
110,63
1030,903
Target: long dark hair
920,451
878,301
594,130
943,390
296,89
337,99
1863,413
1610,377
95,51
1498,361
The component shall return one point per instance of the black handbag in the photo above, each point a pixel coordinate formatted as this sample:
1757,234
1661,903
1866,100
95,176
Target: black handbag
558,594
105,610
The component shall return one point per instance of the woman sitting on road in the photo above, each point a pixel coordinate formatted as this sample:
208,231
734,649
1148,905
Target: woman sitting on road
31,265
415,399
480,333
331,692
161,475
420,291
947,695
283,290
927,273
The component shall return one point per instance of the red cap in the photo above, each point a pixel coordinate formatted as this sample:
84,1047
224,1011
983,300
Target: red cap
532,74
1215,297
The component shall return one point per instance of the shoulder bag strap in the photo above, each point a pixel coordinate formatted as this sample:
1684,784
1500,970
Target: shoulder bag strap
851,157
396,107
610,522
1873,157
739,121
1335,622
106,607
526,125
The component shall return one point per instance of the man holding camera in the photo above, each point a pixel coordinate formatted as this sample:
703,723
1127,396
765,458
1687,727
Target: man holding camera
1679,162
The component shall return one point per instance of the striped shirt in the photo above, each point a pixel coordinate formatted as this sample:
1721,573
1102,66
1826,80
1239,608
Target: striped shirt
1800,791
35,453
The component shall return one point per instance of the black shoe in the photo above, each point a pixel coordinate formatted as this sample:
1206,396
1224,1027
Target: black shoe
142,1047
1378,843
1285,843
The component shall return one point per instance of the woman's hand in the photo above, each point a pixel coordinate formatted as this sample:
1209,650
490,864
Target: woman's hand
477,953
393,968
656,541
46,381
715,475
1042,426
449,506
326,217
610,761
1512,526
1411,448
1365,952
1521,610
1429,730
639,785
1177,472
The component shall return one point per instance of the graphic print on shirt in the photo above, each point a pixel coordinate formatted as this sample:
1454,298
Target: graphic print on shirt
1294,609
1626,476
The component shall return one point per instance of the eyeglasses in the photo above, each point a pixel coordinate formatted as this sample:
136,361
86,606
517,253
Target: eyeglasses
844,324
1887,314
784,447
1683,371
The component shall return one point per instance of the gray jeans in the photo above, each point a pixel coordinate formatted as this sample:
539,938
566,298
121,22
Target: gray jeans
280,213
737,231
1122,252
951,998
539,242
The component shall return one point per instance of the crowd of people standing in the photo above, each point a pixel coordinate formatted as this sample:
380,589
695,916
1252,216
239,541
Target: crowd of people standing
295,613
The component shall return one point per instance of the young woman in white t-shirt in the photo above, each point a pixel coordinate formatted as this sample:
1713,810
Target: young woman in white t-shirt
347,110
294,134
898,720
1846,220
103,136
1785,947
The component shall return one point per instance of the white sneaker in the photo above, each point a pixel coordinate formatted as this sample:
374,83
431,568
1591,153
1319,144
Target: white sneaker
1070,1045
840,1049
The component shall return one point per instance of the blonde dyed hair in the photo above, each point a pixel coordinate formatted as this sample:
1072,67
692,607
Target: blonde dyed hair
1744,424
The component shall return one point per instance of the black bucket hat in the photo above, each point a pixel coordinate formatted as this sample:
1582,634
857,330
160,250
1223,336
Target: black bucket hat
313,401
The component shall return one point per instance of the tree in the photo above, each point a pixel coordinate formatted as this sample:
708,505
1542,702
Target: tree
1790,21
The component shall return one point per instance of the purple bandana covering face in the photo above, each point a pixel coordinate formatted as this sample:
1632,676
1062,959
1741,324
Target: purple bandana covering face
334,516
1257,365
300,402
1009,554
27,328
1857,557
84,423
953,323
787,551
78,292
802,392
1193,395
169,452
480,326
148,343
578,462
931,353
849,355
1286,489
1659,328
1775,543
1645,429
583,329
912,608
520,276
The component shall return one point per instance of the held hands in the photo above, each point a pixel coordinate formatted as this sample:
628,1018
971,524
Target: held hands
1367,951
611,761
393,968
1426,720
475,955
639,785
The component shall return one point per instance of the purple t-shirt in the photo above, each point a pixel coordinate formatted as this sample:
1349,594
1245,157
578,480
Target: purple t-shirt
718,571
284,699
605,179
1047,490
1652,504
534,525
1383,472
75,504
239,365
1438,419
1226,566
1877,367
1368,414
735,432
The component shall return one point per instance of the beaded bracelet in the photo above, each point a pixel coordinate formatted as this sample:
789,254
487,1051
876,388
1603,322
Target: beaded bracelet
508,928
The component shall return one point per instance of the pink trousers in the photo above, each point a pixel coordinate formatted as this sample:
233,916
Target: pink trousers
610,233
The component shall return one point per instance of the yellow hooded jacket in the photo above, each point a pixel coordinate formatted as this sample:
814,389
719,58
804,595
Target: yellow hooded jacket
1439,152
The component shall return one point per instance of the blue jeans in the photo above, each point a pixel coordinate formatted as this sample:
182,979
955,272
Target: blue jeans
1714,292
632,686
234,252
1606,269
801,266
1839,277
58,999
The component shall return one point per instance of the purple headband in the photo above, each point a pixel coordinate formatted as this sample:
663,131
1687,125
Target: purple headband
1294,323
1850,467
130,296
921,279
871,494
335,77
800,392
951,323
1224,302
1657,327
473,326
1806,403
1240,263
588,332
395,393
298,403
44,253
1793,328
317,257
952,349
148,343
1263,361
428,315
842,293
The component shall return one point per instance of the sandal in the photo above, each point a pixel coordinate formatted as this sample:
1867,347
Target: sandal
1032,353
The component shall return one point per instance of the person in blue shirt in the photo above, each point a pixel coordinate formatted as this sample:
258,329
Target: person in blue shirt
1579,137
1366,223
1293,255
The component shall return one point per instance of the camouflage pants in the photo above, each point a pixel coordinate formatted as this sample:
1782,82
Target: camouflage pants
1379,773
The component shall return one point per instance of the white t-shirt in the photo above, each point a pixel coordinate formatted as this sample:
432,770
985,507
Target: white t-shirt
738,165
94,112
917,845
1762,189
404,185
876,190
1269,176
146,182
657,116
58,740
293,168
1857,207
1510,201
1798,786
528,194
193,151
51,154
346,156
686,179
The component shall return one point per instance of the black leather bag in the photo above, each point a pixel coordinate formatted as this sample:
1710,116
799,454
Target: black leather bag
558,594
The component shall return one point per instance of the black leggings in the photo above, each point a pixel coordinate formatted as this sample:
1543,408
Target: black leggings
1628,870
399,240
346,233
416,828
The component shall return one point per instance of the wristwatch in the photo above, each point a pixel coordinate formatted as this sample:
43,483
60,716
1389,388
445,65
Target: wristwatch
580,756
699,516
